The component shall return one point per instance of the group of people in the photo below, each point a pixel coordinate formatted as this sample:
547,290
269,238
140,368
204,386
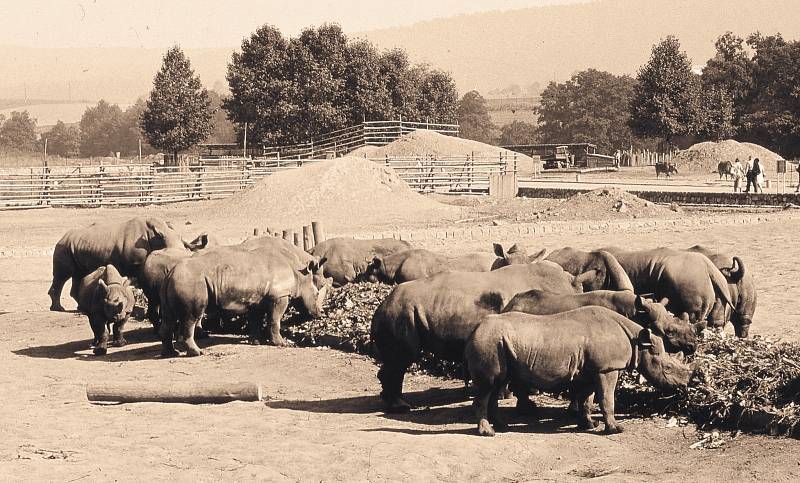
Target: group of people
752,171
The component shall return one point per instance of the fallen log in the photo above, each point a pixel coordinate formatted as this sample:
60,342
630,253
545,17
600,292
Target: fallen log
199,393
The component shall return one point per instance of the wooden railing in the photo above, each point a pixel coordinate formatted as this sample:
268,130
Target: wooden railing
450,173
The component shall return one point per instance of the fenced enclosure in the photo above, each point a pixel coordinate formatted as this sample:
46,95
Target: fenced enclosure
450,173
139,184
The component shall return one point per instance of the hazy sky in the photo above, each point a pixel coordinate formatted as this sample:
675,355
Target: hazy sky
211,23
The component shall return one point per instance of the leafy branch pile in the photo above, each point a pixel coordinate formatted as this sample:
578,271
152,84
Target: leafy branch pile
751,384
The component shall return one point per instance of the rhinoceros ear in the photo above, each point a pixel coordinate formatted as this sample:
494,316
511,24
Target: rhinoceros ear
638,304
645,338
498,250
321,262
126,283
664,301
102,284
538,256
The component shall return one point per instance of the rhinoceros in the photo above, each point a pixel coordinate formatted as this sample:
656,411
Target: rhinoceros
419,263
690,281
298,257
610,274
107,298
583,350
438,313
741,285
124,245
236,281
678,334
348,259
156,267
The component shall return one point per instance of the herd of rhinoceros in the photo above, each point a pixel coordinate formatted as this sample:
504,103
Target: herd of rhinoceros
571,320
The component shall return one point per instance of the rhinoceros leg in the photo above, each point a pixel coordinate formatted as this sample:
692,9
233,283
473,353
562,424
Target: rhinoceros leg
192,348
583,398
119,339
275,315
100,330
481,405
167,333
606,385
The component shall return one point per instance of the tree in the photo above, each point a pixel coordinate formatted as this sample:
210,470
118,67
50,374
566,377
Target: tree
401,83
592,107
715,116
99,128
730,70
437,101
63,140
19,132
366,94
518,132
224,130
666,93
473,118
771,115
178,113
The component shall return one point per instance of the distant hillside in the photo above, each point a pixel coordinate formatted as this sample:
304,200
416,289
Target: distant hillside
485,51
490,50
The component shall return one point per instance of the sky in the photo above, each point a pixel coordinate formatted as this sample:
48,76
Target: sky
212,23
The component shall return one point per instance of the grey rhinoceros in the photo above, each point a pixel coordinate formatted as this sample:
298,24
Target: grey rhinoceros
107,298
583,350
124,245
298,257
741,285
678,334
438,313
689,281
235,281
348,258
610,274
419,263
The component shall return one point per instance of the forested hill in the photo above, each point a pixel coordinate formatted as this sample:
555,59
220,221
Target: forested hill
490,50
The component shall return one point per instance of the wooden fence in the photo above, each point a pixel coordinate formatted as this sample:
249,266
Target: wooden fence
138,184
644,157
450,173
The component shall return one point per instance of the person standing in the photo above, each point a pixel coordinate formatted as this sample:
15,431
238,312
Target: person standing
758,176
748,172
737,172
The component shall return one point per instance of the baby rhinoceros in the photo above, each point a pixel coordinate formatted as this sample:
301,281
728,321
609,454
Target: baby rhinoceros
107,298
584,350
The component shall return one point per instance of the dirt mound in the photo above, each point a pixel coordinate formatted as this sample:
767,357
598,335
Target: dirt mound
704,157
608,203
430,143
343,193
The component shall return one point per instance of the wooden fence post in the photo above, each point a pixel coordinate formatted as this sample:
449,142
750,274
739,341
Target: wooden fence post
288,235
308,238
319,232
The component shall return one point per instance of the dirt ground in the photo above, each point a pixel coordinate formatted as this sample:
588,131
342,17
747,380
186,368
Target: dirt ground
322,418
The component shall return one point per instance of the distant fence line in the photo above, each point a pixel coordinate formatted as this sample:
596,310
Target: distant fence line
137,184
645,157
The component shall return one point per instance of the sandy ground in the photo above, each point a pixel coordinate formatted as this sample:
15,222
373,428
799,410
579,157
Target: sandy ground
322,419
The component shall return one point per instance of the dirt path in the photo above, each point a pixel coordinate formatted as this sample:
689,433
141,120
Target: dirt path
323,419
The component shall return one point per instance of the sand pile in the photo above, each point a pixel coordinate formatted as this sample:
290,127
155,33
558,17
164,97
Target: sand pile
431,143
343,193
704,157
608,203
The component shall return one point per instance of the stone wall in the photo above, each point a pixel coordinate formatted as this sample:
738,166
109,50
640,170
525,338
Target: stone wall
679,197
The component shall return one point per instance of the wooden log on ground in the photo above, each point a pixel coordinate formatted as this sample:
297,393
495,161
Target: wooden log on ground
319,232
308,238
199,393
296,240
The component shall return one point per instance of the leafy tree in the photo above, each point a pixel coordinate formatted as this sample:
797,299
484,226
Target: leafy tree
366,95
665,100
592,107
730,70
772,113
402,83
224,130
99,128
437,101
715,117
261,90
19,131
473,118
178,113
518,132
63,140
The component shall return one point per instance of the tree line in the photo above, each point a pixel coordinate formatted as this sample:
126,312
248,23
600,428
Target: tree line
289,90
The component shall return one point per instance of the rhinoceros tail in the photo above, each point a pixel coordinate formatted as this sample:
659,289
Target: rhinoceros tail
617,276
740,271
719,281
